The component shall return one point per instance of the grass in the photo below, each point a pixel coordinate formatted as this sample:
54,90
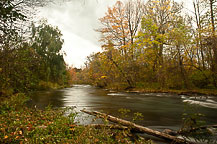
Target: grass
20,124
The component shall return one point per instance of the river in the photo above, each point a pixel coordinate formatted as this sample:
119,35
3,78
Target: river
160,110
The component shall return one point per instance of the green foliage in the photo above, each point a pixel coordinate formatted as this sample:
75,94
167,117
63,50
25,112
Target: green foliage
201,79
193,123
26,65
21,124
124,112
42,85
11,14
47,43
24,61
138,116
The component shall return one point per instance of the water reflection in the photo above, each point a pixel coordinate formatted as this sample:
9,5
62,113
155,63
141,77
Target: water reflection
42,99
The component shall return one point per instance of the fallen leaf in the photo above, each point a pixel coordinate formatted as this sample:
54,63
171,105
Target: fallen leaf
72,129
96,140
20,132
73,125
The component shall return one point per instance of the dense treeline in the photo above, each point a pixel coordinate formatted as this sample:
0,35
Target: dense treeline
156,45
30,56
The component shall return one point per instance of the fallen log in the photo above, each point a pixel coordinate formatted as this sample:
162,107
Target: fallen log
206,127
183,132
139,128
110,126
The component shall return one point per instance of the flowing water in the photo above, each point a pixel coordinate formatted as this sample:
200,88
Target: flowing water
160,110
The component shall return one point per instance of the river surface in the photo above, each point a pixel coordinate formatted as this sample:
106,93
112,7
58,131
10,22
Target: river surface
160,110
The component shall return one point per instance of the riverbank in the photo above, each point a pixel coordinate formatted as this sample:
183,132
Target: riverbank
20,124
52,127
179,92
162,90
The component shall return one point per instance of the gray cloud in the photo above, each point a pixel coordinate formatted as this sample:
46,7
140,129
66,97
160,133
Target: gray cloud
79,17
77,20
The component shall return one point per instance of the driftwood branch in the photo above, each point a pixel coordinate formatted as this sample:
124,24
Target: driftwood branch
110,126
181,132
138,128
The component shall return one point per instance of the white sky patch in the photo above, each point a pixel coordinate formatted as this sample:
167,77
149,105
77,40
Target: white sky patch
77,20
77,49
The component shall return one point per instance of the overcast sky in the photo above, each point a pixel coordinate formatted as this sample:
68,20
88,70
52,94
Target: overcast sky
77,20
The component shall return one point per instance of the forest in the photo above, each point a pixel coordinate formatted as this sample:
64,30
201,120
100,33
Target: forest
157,45
31,55
146,45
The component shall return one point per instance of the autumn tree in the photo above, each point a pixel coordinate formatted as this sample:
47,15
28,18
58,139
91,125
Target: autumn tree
162,12
205,41
119,27
157,45
159,21
213,44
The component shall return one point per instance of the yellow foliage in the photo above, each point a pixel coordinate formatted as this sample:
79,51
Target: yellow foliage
102,77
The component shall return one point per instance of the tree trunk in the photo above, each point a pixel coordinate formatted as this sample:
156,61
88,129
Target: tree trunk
138,128
110,126
214,43
130,83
